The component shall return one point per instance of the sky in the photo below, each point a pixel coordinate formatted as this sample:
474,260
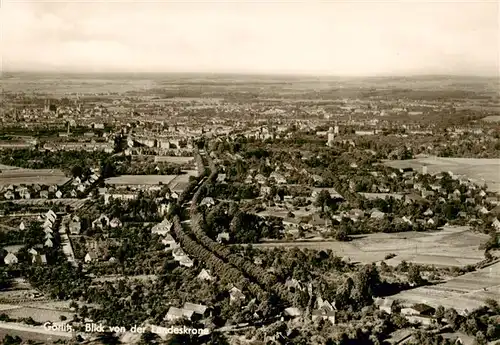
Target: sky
350,38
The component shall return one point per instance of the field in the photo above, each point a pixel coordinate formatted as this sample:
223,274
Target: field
74,203
140,180
450,247
464,292
36,334
174,159
479,170
32,176
38,314
491,118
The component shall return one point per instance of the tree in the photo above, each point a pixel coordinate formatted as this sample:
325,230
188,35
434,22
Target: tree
414,276
323,199
77,171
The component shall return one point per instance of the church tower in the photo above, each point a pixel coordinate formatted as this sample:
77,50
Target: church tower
331,137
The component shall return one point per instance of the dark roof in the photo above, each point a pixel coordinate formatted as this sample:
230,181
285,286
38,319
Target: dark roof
422,308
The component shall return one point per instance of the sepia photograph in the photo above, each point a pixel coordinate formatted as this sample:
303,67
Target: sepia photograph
248,172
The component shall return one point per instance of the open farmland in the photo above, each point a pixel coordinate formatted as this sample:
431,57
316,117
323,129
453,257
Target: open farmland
38,314
174,159
464,292
479,170
140,180
32,176
74,203
493,118
450,247
34,334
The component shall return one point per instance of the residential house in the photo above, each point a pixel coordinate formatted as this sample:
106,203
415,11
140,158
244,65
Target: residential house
175,314
22,226
483,210
75,226
51,215
223,237
186,262
385,304
419,313
48,243
459,338
235,295
199,310
221,178
9,195
178,254
293,285
400,337
292,312
101,222
10,259
169,242
44,194
39,259
162,228
428,213
496,224
208,201
325,311
90,257
115,223
59,194
205,275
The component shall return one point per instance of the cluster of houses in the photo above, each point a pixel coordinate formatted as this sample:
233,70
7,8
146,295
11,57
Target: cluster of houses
12,192
163,229
49,220
40,191
80,184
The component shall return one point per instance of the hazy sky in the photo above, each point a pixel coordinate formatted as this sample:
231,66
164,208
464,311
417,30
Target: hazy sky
338,38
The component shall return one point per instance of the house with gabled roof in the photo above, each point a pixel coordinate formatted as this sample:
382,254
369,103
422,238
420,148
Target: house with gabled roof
169,242
186,262
162,228
101,222
205,275
10,259
199,309
9,195
90,257
208,201
174,314
236,295
48,243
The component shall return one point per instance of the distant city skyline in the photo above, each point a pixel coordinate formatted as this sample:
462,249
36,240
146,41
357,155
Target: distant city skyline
295,38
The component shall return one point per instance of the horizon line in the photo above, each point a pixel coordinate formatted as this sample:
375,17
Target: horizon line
263,74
